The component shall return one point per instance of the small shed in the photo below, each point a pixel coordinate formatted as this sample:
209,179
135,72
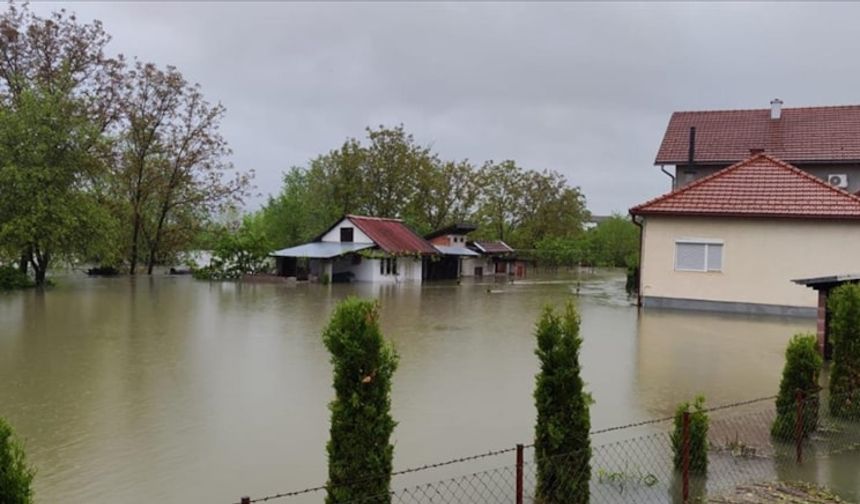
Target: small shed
823,285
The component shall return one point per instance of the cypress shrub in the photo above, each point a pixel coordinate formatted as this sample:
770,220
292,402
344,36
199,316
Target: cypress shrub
844,307
15,475
802,367
359,450
562,446
698,436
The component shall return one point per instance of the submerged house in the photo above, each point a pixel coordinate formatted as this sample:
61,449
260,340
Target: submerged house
450,242
758,198
734,240
495,257
359,248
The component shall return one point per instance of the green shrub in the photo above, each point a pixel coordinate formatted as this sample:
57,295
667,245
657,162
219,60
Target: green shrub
16,477
802,367
844,311
236,253
361,423
11,279
698,436
562,445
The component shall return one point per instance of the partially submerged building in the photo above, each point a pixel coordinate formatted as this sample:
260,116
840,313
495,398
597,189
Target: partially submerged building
758,198
734,240
495,257
359,248
450,242
374,249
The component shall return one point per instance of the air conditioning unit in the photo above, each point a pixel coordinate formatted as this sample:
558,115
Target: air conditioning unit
838,179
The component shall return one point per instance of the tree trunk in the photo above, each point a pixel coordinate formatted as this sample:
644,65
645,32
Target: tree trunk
40,266
135,238
156,242
25,261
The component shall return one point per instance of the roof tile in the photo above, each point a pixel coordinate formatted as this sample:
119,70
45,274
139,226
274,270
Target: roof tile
808,134
761,186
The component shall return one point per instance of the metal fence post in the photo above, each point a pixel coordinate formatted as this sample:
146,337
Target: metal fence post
685,459
798,426
519,474
246,500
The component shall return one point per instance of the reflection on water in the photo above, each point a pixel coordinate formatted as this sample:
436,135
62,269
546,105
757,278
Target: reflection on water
134,390
724,357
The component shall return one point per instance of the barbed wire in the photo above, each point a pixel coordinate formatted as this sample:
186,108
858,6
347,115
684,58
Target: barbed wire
494,453
400,472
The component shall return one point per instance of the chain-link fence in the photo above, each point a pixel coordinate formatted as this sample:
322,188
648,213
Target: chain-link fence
746,442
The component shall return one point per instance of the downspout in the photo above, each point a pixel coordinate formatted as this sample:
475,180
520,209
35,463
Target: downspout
663,169
641,262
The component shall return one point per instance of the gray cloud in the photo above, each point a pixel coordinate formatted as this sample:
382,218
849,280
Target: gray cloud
582,88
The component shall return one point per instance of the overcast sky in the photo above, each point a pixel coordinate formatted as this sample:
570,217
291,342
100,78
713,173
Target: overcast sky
584,89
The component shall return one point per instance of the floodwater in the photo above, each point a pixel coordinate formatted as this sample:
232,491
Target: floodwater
168,389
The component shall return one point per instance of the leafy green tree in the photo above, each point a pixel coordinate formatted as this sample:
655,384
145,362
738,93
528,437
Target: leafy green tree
562,445
500,205
613,242
698,436
844,307
16,477
47,205
60,56
389,174
802,367
361,423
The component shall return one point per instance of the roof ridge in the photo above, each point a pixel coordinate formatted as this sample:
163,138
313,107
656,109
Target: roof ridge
737,166
368,217
727,111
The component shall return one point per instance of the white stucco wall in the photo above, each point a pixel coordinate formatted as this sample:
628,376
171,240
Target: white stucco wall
470,263
760,258
334,234
408,270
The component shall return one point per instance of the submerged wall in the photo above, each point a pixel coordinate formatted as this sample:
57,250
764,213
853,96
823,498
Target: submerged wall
760,258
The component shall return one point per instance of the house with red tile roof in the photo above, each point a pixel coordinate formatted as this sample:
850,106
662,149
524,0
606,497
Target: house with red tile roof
360,248
734,239
823,141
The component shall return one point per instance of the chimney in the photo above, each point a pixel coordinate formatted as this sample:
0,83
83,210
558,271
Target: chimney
775,108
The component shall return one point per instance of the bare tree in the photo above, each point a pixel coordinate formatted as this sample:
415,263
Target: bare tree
174,168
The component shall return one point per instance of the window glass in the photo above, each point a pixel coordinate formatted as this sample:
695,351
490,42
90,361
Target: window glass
693,256
715,257
346,234
690,256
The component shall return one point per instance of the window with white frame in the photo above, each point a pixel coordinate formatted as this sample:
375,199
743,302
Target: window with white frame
698,255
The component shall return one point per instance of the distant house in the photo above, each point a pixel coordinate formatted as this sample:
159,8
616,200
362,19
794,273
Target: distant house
734,239
822,141
362,249
496,257
450,242
594,221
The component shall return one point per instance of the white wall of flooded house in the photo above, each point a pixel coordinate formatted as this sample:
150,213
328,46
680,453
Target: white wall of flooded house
368,270
469,264
760,258
333,235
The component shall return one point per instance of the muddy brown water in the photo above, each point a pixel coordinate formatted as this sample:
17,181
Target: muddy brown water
167,389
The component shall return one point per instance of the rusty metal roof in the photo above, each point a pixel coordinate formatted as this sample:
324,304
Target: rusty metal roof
493,247
392,235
